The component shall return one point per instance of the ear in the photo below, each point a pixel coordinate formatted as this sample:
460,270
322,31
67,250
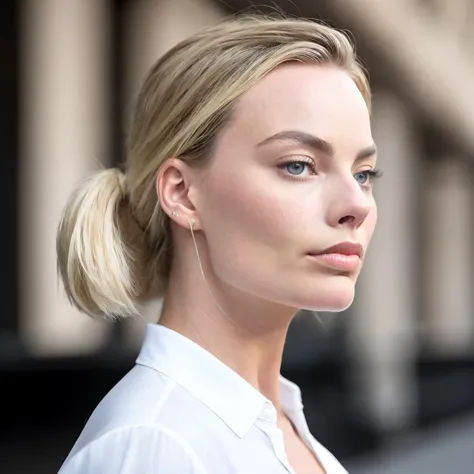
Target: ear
173,183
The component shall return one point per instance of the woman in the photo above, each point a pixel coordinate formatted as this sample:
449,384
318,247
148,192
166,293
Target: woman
247,196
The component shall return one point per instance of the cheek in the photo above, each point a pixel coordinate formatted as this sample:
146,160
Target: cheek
250,225
244,206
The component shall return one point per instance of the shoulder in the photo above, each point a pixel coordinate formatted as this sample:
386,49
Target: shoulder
145,418
139,449
136,400
145,397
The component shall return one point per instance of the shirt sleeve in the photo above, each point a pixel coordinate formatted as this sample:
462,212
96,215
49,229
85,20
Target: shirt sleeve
135,450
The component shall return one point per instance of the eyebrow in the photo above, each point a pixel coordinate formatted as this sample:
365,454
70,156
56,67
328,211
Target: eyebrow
314,142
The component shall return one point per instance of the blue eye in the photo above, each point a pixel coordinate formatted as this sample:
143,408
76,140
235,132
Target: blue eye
362,177
365,178
296,167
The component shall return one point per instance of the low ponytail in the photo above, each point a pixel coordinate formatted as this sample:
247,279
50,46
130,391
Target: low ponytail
98,259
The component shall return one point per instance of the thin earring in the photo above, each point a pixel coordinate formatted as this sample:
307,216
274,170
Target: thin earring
191,224
174,213
320,320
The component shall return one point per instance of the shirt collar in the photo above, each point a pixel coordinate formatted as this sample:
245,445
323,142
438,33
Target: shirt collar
290,395
207,378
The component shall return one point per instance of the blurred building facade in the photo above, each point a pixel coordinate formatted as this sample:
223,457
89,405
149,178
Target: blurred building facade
392,359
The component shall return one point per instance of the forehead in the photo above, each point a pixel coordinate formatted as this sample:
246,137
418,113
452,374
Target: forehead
321,100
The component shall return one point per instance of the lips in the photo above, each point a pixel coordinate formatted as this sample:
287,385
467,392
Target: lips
343,248
343,257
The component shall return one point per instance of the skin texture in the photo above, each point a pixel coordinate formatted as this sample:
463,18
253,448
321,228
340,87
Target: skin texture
257,217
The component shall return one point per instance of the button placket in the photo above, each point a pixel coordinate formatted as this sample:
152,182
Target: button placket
269,426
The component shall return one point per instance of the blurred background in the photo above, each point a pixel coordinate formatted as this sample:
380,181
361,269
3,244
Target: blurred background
388,385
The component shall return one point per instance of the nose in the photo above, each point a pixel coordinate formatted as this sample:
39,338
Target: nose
349,204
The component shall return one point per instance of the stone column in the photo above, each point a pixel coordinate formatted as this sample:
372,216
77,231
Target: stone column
382,322
455,15
64,137
448,274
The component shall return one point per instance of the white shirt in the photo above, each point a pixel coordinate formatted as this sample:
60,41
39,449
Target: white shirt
180,410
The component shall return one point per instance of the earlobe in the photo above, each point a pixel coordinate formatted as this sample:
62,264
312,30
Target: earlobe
190,221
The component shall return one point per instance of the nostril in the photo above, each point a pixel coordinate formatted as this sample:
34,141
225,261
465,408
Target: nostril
345,219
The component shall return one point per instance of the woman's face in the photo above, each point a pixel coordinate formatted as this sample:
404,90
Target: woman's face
291,178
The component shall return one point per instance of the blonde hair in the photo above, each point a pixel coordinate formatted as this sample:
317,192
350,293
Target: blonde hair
114,242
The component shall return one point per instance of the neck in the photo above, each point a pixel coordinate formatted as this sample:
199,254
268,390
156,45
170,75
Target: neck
245,333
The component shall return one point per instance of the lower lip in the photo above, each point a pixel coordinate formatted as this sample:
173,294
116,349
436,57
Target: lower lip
345,263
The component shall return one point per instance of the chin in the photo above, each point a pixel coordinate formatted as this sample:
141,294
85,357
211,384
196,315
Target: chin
335,295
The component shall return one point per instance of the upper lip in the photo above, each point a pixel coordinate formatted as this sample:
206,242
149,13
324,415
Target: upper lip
344,248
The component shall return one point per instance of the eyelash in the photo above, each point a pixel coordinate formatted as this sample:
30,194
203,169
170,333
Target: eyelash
373,174
307,161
